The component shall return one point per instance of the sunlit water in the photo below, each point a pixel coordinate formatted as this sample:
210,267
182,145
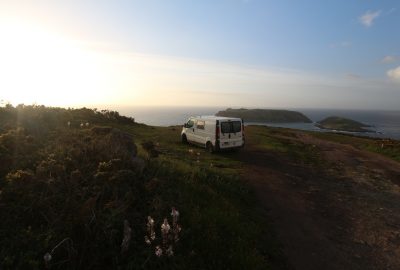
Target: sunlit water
385,124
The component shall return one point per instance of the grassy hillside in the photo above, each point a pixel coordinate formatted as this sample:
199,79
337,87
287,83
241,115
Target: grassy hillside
266,115
77,186
342,124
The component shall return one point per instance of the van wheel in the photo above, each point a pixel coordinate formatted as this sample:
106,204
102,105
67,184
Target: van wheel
210,147
184,139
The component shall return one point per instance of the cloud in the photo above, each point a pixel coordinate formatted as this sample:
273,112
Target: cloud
367,19
342,44
166,80
394,74
389,59
353,76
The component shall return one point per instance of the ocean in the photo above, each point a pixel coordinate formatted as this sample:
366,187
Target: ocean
386,124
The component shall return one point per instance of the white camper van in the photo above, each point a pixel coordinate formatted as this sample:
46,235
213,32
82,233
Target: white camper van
214,132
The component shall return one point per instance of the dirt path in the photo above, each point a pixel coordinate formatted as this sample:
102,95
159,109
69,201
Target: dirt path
344,214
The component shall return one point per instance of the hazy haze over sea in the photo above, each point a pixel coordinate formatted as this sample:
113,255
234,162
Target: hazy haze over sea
386,123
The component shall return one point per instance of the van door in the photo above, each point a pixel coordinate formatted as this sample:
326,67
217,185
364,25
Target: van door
189,130
200,133
231,133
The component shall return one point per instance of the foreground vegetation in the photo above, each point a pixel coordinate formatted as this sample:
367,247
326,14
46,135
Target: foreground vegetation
77,187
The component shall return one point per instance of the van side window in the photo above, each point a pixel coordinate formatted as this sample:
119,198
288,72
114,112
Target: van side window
200,124
190,123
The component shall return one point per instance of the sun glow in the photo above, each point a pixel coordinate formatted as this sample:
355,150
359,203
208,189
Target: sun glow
38,66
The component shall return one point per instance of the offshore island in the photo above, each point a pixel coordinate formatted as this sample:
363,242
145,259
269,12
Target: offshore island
342,124
265,115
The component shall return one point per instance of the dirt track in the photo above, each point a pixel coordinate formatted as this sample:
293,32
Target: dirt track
342,215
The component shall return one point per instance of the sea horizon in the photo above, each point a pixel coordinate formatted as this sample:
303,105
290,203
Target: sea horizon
386,123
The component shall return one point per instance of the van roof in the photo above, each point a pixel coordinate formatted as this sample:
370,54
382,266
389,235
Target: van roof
213,117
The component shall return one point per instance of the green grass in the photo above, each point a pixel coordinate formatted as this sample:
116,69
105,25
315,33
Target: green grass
216,208
390,148
220,208
59,182
65,182
280,141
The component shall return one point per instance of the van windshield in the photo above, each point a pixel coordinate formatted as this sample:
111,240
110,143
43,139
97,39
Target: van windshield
231,127
189,124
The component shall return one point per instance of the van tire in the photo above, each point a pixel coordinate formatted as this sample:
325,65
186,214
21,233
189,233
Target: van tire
184,139
209,147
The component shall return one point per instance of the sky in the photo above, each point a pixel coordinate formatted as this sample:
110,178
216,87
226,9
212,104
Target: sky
236,53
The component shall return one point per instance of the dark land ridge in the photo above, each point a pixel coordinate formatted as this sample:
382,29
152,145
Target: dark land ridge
266,115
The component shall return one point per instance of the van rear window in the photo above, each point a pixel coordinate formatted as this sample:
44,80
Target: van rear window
231,127
225,127
236,126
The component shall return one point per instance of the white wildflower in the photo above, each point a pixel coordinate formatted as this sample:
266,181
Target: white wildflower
175,226
158,251
150,228
147,240
87,124
47,257
150,220
165,227
175,215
